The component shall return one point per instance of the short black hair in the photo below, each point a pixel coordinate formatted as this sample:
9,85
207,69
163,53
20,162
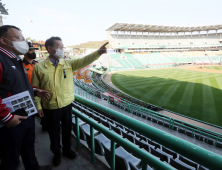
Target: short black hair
4,30
50,42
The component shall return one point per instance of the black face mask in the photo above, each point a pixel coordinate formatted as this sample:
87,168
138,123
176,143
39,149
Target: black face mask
31,55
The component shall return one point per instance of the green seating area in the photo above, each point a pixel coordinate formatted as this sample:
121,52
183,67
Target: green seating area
133,63
128,60
127,55
122,63
214,58
115,56
127,63
180,59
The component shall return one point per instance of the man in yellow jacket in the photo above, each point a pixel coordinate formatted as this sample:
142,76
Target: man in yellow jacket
56,76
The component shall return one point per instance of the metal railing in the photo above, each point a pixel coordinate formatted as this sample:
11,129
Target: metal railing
141,154
187,149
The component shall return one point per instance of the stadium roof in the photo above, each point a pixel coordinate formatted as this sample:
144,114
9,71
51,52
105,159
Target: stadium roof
160,28
2,9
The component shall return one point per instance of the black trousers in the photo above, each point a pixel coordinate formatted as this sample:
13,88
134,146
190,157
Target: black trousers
42,122
16,141
53,119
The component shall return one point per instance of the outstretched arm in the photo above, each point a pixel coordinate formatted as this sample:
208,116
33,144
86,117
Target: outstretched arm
80,63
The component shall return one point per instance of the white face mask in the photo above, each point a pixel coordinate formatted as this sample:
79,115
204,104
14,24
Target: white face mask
20,46
59,53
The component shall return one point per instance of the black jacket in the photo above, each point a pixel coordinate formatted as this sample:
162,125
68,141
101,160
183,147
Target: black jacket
13,79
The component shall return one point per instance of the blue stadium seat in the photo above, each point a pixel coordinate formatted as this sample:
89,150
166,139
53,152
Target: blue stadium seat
219,144
164,153
122,158
85,129
99,139
188,162
209,141
144,144
105,122
199,136
121,154
158,154
133,167
203,168
157,145
180,165
170,152
80,124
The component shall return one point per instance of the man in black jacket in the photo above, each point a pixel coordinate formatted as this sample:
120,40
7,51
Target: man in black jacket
17,137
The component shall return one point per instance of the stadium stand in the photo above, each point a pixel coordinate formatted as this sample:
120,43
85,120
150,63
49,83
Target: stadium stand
124,159
150,46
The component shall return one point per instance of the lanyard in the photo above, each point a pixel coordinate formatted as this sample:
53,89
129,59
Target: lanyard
64,73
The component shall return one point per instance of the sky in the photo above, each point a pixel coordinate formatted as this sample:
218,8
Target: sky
79,21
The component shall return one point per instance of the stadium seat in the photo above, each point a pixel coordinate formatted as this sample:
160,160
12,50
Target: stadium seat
99,139
141,137
219,144
188,162
158,154
203,168
164,153
80,124
181,130
166,124
129,136
122,158
189,133
121,154
160,122
199,136
144,144
180,165
209,141
133,167
170,152
157,145
117,130
130,131
104,122
85,129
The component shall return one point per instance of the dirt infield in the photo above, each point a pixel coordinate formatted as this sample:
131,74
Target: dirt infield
202,69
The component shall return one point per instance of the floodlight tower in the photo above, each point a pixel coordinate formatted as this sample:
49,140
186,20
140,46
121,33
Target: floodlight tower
3,11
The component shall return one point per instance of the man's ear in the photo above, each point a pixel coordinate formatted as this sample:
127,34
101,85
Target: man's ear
2,41
51,50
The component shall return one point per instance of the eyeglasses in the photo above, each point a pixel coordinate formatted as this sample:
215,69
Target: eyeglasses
20,38
60,47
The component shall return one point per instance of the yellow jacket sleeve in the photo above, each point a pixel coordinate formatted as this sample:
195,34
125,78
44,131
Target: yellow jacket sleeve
82,62
36,83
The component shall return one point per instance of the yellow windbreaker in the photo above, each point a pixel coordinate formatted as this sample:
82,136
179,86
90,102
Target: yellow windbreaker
48,77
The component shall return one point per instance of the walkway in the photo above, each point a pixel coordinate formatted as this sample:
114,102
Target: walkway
45,156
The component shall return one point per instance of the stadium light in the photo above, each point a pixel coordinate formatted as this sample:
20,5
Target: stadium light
3,11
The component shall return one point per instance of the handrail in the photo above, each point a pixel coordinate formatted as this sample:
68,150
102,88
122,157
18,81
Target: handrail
146,157
187,149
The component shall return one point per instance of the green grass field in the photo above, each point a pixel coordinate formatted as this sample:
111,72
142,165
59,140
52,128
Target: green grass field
214,67
191,93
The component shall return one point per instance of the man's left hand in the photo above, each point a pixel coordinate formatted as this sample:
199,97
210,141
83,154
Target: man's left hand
103,49
42,93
